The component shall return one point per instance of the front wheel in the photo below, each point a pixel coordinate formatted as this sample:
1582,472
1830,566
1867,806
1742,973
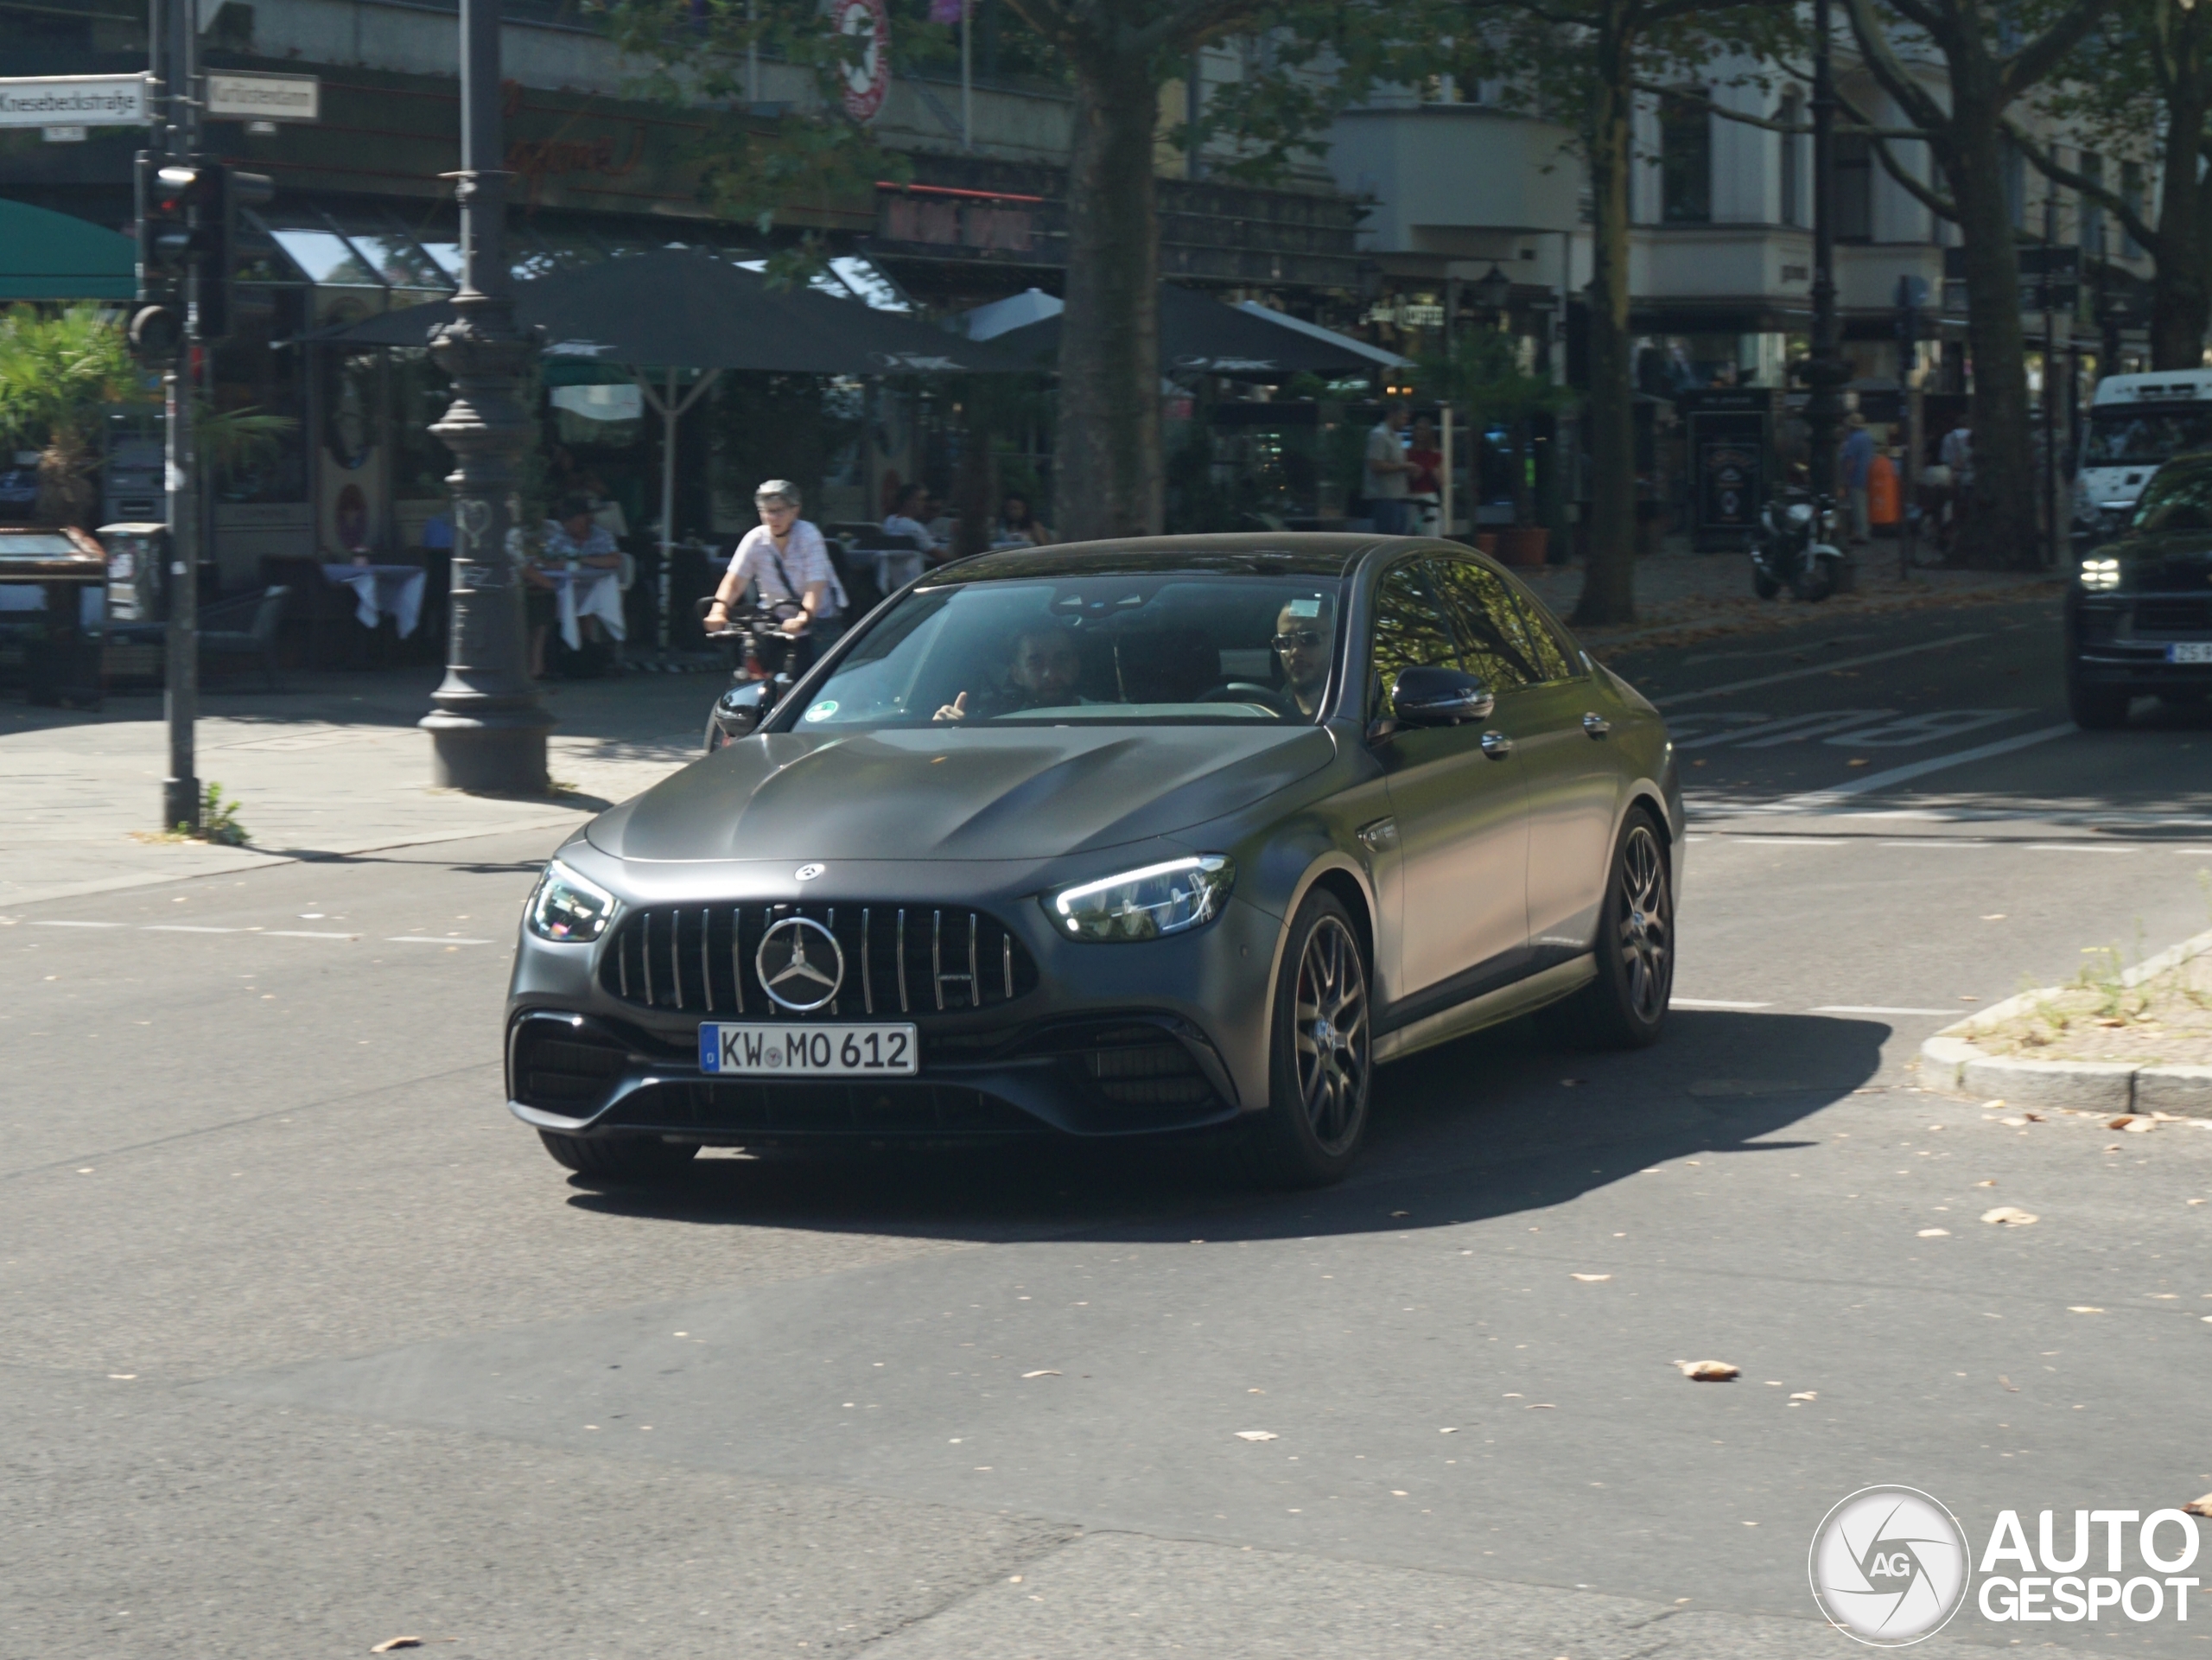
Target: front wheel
1625,1007
1816,583
624,1159
1320,1064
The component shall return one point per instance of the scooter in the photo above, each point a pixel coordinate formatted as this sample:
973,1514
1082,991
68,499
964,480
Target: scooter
1791,547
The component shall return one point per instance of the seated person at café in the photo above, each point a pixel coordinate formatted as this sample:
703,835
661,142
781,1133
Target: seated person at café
570,536
1041,673
909,517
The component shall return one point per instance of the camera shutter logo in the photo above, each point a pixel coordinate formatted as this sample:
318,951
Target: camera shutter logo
1889,1566
800,964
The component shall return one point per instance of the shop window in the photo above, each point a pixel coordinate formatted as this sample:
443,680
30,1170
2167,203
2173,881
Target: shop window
1854,188
1793,153
1686,159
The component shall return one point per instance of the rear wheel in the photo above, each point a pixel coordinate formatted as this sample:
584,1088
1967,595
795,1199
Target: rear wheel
2096,709
625,1158
1625,1007
1320,1064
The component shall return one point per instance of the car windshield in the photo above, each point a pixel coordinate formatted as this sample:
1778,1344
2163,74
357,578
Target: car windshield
2178,498
2140,437
1147,648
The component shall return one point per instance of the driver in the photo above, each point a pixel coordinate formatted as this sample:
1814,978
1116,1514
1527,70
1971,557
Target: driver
1305,631
1041,674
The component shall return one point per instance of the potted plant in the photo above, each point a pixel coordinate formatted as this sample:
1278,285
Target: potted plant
1482,374
58,371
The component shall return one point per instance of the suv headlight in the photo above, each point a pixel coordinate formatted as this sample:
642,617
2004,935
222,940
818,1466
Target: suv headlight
2101,573
1162,898
566,908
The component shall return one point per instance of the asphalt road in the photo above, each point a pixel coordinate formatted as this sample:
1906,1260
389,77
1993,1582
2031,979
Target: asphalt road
305,1345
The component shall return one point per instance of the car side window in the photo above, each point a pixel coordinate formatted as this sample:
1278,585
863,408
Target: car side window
1554,661
1495,643
1410,633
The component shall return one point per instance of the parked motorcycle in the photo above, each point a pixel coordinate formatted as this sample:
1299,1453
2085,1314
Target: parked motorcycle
1792,547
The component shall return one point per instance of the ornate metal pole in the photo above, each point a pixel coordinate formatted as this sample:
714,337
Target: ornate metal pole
488,730
1825,371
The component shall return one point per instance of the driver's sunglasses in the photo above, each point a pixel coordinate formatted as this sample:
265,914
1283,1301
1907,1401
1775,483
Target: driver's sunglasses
1308,638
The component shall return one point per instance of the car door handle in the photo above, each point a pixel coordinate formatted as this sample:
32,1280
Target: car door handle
1497,744
1596,725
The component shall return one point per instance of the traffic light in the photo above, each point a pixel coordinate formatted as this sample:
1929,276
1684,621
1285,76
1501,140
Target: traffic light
188,221
232,190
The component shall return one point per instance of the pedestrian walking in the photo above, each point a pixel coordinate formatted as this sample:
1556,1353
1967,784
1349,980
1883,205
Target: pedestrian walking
786,558
1857,459
1956,455
1424,483
1386,472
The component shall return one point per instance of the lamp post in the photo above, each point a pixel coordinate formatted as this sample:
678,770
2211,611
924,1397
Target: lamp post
487,731
1824,372
1494,292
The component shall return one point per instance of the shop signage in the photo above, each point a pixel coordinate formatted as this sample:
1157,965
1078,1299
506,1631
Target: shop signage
867,76
75,101
265,97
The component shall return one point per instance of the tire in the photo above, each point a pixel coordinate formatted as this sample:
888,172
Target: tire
1763,585
627,1158
1625,1007
1319,1081
2097,708
1816,584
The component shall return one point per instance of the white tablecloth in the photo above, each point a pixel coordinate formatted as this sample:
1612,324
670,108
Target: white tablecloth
394,591
585,592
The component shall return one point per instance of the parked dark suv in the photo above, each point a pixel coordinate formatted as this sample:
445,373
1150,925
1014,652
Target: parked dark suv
2138,617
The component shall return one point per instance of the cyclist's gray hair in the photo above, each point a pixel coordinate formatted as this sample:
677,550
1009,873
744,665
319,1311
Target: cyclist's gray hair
781,489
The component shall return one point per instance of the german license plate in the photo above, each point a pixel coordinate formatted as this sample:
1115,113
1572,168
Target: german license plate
2194,650
825,1050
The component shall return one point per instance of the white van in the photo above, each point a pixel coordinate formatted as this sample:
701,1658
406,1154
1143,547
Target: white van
2136,422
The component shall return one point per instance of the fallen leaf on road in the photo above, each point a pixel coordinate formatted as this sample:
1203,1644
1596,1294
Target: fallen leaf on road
391,1642
2034,1118
2200,1506
1592,1279
2192,1201
2112,1022
1994,916
1856,761
1708,1372
1541,1406
2008,1383
1040,1374
1935,1233
2140,1126
1806,1394
1454,1430
2012,1124
1985,1184
1402,1213
2008,1216
1256,1435
2084,1308
1992,1106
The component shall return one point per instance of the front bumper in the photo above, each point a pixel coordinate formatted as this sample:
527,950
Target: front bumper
1110,1041
2122,639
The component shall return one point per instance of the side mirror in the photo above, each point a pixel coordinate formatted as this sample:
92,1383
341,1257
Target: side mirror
1428,696
741,709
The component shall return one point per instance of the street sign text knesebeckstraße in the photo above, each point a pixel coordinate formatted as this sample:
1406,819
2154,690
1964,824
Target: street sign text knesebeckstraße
75,100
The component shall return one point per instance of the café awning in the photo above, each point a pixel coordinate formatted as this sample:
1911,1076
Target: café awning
49,256
1198,335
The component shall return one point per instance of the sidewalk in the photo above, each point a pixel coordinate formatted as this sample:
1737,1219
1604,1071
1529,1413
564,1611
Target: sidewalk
332,766
1681,597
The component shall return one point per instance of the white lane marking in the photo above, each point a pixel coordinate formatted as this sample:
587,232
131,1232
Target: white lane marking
301,934
1876,1009
2073,847
186,928
80,925
1780,841
1948,841
429,939
265,933
1816,800
2194,853
1714,1002
1812,669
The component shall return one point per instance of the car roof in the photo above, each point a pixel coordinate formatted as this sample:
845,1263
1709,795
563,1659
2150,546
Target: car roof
1294,553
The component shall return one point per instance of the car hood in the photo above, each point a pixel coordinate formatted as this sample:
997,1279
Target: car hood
1027,793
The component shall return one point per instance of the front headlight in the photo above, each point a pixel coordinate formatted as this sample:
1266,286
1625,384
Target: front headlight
2101,573
568,908
1161,898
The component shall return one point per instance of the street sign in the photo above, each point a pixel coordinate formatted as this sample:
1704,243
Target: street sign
75,100
264,98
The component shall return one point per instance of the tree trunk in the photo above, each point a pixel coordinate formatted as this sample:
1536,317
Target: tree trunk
1107,467
2181,305
2001,525
1609,571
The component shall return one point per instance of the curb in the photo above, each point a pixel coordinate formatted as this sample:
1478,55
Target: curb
1957,1063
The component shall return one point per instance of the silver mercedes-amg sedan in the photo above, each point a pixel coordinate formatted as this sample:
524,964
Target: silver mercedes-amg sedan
1157,837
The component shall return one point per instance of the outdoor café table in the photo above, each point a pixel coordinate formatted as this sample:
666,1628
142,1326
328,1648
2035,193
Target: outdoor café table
587,591
394,591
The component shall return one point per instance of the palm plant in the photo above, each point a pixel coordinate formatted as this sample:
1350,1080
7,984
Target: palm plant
59,370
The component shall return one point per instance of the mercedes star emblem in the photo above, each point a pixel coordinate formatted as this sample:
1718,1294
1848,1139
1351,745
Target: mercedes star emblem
788,976
808,873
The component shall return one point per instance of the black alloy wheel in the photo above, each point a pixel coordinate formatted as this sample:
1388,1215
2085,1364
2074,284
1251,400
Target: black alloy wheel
1625,1007
1321,1066
620,1158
